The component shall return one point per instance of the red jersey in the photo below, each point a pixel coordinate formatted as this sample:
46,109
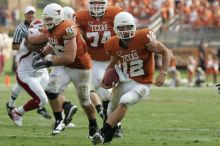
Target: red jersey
97,31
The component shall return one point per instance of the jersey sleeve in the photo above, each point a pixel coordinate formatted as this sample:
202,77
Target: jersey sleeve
109,46
81,19
18,36
148,36
69,30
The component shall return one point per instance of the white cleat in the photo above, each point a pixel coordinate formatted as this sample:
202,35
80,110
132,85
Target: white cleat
17,118
97,139
58,127
70,125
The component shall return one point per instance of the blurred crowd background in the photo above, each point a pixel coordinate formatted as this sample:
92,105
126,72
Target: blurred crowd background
190,28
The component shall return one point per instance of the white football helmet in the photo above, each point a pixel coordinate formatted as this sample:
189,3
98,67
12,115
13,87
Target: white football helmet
124,19
68,13
36,24
52,15
97,7
35,27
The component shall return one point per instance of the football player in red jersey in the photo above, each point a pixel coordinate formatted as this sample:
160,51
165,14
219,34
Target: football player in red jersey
96,25
132,54
72,64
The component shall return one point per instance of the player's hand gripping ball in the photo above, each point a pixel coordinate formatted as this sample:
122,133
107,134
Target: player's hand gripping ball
110,78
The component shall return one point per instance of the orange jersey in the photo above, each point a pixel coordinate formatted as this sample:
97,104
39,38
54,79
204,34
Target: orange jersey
68,30
136,61
96,32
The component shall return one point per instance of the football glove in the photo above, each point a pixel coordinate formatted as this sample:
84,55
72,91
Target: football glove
43,64
38,57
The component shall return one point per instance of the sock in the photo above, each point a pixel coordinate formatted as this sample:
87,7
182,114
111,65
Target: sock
11,102
105,107
107,128
93,122
99,110
40,108
20,110
58,116
15,91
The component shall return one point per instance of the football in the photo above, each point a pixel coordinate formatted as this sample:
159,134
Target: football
110,78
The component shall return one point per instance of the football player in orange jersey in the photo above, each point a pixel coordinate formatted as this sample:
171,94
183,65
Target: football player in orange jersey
96,24
132,54
72,64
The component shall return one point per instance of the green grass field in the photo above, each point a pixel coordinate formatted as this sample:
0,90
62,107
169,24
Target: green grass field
169,117
181,116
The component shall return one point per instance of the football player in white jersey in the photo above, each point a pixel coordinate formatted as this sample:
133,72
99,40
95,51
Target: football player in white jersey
31,80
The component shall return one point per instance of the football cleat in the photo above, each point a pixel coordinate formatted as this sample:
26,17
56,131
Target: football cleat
16,117
69,111
59,126
70,125
118,132
97,139
9,109
44,113
92,131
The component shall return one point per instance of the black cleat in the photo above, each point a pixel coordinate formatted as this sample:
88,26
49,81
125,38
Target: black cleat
44,113
69,111
92,131
118,131
97,138
58,127
9,109
101,138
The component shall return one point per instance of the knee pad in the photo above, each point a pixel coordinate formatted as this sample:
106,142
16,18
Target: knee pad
51,96
130,98
104,94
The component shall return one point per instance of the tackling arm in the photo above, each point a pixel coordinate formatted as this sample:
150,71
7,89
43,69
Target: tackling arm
69,54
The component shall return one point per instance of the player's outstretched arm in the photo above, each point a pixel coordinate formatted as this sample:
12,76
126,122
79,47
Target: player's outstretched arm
159,48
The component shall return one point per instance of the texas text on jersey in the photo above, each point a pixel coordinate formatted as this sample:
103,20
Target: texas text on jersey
97,31
136,61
